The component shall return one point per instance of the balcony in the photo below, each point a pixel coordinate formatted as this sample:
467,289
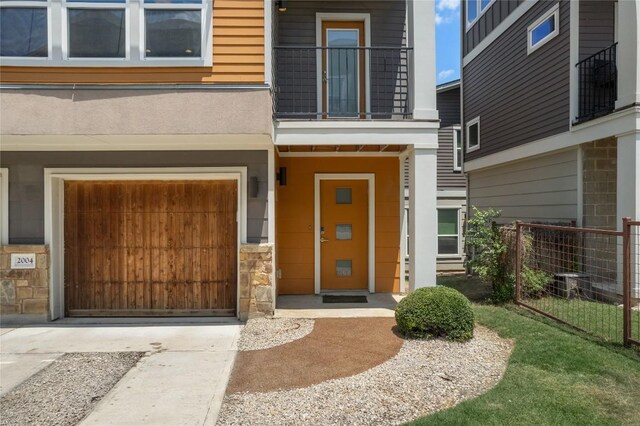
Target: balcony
342,83
597,84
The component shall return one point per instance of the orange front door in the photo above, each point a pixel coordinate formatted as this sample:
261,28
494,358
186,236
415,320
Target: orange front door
344,228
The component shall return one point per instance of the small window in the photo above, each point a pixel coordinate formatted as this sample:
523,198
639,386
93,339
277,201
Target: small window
475,9
473,134
543,29
448,234
343,231
343,268
172,33
457,149
24,31
343,195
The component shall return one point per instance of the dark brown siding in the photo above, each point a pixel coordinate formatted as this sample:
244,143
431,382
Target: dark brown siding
520,98
597,26
297,27
496,13
449,109
26,182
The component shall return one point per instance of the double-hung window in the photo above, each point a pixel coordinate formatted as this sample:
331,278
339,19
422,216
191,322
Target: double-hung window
448,232
475,9
106,32
543,29
457,149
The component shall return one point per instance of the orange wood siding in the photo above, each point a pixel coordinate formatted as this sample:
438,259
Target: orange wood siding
295,216
238,56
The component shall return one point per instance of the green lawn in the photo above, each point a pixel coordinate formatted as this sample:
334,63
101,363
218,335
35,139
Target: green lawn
555,376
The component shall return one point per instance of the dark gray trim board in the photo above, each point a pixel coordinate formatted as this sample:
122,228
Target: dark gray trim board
26,182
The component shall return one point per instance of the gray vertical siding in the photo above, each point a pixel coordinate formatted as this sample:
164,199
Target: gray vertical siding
448,103
496,13
296,75
520,98
26,182
597,26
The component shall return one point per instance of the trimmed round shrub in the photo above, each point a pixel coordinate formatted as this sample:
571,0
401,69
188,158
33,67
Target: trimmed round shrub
435,312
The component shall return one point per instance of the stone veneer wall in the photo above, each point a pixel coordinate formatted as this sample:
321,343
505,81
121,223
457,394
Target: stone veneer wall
256,281
599,180
24,291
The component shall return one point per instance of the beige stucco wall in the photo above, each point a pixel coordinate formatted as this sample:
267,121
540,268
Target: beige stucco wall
135,112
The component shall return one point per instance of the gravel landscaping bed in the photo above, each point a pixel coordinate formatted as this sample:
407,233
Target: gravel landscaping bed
65,392
425,376
264,333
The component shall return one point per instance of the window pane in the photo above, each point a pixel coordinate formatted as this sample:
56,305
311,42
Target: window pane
472,10
543,30
473,135
447,222
173,33
23,32
447,245
343,195
343,268
458,148
343,232
96,33
342,72
484,4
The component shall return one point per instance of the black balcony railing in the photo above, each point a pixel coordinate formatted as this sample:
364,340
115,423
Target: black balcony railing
598,84
341,82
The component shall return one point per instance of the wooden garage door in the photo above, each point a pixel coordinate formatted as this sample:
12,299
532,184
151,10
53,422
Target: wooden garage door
150,247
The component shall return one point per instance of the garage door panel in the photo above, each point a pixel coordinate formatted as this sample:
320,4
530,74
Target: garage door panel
150,247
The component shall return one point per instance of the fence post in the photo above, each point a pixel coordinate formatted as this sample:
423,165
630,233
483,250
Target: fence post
518,259
626,280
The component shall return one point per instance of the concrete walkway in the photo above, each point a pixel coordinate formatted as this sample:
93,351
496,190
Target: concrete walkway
181,381
311,306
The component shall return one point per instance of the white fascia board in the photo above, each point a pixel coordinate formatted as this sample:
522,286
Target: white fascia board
135,142
615,124
421,133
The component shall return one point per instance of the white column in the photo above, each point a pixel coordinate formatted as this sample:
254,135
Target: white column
628,197
628,33
421,29
422,217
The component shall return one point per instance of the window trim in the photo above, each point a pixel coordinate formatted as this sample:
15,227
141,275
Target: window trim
470,123
552,12
458,254
481,11
457,167
58,40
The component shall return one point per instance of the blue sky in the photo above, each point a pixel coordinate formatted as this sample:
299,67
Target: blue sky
447,40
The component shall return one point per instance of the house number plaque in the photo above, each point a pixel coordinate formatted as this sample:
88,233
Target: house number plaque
23,261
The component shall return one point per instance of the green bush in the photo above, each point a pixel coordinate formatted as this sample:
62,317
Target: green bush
435,312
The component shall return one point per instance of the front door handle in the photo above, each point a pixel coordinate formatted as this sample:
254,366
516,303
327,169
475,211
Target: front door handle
323,240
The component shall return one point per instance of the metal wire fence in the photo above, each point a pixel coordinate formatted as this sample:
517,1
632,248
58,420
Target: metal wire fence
585,277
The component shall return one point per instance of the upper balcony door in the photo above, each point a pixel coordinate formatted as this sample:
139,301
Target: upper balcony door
343,69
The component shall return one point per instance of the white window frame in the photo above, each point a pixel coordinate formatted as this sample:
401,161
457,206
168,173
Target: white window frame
554,13
480,10
27,4
458,210
58,37
457,167
466,134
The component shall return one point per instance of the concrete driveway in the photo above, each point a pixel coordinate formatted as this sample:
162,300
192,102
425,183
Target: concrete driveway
181,381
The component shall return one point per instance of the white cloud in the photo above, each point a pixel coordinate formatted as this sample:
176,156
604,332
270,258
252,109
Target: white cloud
448,4
439,19
445,74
